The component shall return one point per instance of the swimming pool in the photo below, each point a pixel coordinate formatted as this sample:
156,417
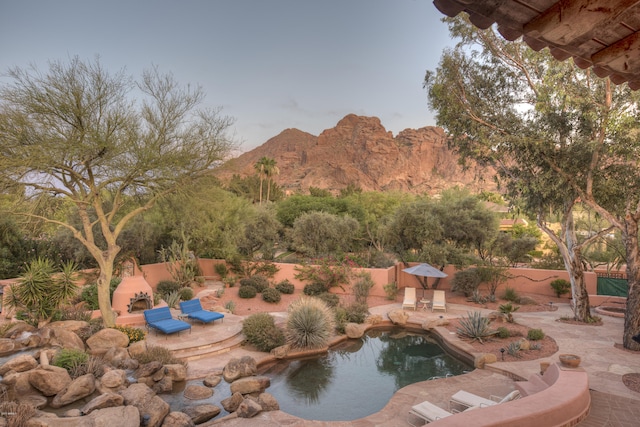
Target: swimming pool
358,377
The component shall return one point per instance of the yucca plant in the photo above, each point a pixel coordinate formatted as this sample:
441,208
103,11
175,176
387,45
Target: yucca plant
172,299
310,323
475,326
513,349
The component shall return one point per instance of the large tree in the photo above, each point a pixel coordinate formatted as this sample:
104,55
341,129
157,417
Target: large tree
543,122
98,140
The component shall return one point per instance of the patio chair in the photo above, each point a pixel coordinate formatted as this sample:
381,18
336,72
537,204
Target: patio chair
468,400
410,298
439,302
429,412
193,310
160,319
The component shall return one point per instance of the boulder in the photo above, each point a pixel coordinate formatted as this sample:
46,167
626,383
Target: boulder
177,372
105,400
202,413
164,385
239,368
212,380
121,416
69,325
66,339
19,364
19,329
197,392
18,384
37,401
151,407
112,381
429,324
178,419
114,355
137,348
281,352
398,316
525,344
495,316
107,338
230,404
354,330
248,409
148,369
50,380
374,319
268,402
247,385
7,347
483,359
79,388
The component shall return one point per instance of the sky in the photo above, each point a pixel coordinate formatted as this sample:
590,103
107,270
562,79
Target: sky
270,64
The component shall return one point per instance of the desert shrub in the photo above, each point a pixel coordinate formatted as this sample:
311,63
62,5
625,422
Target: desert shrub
271,295
68,358
513,349
503,332
260,330
475,327
477,297
165,287
77,311
231,306
247,291
92,328
89,293
362,287
510,294
357,312
285,287
94,365
508,309
134,334
310,323
314,289
332,300
466,281
535,346
21,413
219,292
391,290
525,300
230,281
535,334
186,293
158,354
221,270
260,282
560,287
172,298
340,318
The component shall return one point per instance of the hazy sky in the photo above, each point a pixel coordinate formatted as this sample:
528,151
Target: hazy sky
271,64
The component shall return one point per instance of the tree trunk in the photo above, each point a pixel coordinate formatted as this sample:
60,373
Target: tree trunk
104,294
632,314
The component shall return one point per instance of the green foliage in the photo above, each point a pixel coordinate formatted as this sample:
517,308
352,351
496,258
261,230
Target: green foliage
271,295
513,349
466,281
535,334
309,323
291,208
362,287
326,272
511,294
71,312
186,293
357,312
285,287
231,306
475,327
69,358
317,234
261,233
259,283
165,287
91,329
560,287
221,270
260,330
172,299
89,293
180,262
391,290
247,291
503,332
315,289
332,300
156,353
134,334
508,309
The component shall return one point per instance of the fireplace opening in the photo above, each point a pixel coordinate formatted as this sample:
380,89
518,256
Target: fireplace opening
140,302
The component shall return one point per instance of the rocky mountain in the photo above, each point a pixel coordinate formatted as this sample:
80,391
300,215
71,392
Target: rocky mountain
360,151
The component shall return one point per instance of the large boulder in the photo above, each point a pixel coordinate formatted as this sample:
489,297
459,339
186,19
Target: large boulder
19,364
239,368
355,330
112,381
177,372
398,316
18,384
105,400
197,392
178,419
137,348
247,385
66,339
212,380
230,404
429,324
107,338
151,407
7,347
148,369
268,402
202,413
249,408
121,416
79,388
50,380
69,325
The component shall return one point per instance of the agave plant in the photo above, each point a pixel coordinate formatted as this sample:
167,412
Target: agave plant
475,326
310,323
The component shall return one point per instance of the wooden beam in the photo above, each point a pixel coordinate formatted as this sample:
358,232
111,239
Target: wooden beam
622,56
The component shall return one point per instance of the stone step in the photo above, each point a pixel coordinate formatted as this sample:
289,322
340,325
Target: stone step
208,350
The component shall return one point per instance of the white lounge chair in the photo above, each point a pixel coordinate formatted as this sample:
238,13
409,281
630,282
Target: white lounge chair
439,302
429,412
410,298
468,400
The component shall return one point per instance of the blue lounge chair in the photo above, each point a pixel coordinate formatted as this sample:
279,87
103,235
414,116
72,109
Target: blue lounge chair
160,319
193,310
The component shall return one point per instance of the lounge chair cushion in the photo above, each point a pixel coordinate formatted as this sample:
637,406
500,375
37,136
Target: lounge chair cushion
410,298
161,319
193,309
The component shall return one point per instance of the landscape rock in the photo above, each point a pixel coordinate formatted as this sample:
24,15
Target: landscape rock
230,404
178,419
525,344
107,338
197,392
429,324
66,339
202,413
19,364
495,316
398,316
281,352
137,348
69,325
267,402
147,369
112,381
374,319
249,408
165,385
484,359
247,385
50,380
239,368
212,380
7,346
18,329
121,416
354,330
79,388
151,407
18,384
177,372
105,400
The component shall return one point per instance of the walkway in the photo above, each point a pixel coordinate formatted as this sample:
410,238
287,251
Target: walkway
613,404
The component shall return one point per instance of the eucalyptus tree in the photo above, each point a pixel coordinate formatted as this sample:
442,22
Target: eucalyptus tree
556,135
109,145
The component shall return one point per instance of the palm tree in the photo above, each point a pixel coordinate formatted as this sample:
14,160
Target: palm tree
270,170
260,168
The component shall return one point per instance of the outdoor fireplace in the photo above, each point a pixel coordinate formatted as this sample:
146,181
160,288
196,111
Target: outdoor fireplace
133,295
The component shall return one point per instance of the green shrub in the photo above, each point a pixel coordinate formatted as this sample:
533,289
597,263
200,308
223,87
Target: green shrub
94,365
466,281
260,330
165,287
134,334
503,332
247,291
510,294
362,287
341,318
332,300
221,270
314,289
231,306
285,287
172,299
260,283
391,290
89,293
475,326
508,309
158,354
357,312
271,295
560,287
535,334
69,358
309,324
186,293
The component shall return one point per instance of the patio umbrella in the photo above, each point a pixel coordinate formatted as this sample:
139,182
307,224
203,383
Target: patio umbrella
424,270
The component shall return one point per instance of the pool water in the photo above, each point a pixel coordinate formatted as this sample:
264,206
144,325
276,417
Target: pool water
359,377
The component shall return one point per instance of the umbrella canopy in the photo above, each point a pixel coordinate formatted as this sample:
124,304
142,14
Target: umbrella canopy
424,270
